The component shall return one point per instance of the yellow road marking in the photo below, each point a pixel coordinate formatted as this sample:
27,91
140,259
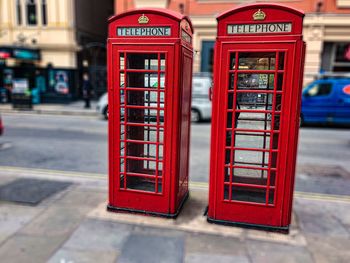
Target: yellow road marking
194,185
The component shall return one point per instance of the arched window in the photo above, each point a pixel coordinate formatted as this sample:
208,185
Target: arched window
44,12
31,9
19,12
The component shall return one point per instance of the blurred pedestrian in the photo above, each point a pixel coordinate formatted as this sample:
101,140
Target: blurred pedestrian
87,90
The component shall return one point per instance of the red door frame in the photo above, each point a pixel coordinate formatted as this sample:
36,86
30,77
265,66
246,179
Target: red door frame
242,211
140,200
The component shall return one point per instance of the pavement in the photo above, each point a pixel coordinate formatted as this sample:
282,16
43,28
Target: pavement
74,108
72,225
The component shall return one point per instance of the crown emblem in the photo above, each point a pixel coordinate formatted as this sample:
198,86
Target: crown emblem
259,15
143,19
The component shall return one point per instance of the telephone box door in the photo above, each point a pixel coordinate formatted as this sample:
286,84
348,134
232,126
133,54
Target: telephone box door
141,109
254,125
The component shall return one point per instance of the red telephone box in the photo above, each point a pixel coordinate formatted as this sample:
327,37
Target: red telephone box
150,77
259,56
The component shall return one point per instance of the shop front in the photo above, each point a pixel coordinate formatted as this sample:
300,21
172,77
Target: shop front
42,84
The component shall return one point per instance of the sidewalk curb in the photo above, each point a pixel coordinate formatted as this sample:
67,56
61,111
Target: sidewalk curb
50,112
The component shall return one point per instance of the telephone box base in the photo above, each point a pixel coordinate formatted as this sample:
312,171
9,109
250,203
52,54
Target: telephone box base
282,229
135,211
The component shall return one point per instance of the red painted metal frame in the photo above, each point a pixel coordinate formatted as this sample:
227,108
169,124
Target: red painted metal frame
224,205
174,123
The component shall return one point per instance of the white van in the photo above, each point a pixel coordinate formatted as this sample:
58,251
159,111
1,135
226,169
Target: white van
201,105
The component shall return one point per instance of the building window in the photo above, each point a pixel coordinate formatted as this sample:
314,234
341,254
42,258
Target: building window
44,12
19,12
207,56
31,12
336,57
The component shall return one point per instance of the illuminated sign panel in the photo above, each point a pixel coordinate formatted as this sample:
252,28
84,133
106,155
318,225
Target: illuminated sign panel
259,28
144,31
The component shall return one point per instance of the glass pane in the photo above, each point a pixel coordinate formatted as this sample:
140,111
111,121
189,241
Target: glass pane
251,158
149,165
121,61
122,181
141,183
226,192
122,165
278,102
253,121
245,194
145,98
271,196
162,80
255,81
122,149
272,178
279,82
249,176
146,133
142,61
252,140
281,61
246,176
142,80
162,61
231,82
232,61
256,101
257,61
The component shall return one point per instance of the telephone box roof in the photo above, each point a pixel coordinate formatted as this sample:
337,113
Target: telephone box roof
159,11
260,5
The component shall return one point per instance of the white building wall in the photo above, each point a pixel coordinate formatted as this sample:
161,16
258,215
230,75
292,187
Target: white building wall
56,40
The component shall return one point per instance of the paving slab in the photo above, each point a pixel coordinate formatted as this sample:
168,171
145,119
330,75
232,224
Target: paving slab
6,179
30,191
338,210
315,219
269,252
78,197
99,236
152,249
55,221
197,244
329,250
82,256
13,217
205,257
29,249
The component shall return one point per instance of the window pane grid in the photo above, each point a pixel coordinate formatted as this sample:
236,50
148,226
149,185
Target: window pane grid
259,94
142,117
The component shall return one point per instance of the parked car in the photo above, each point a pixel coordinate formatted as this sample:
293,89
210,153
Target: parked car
102,105
1,126
201,105
327,100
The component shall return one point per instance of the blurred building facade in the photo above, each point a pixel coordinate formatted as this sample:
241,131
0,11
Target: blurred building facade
326,29
53,41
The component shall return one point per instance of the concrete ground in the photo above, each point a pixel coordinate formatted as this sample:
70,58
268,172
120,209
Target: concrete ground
74,226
